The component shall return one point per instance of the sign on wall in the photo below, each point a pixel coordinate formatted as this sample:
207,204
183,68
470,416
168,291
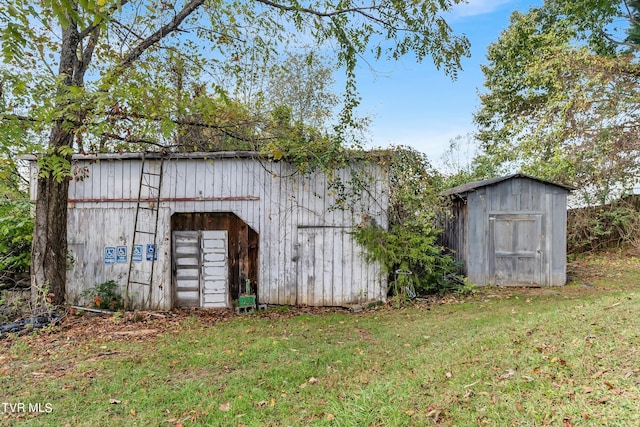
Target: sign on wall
121,254
109,255
136,256
152,253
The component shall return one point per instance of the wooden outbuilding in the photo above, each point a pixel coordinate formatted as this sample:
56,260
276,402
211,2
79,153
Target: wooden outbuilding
199,229
509,230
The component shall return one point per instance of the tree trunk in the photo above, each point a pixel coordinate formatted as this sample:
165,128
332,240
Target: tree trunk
49,247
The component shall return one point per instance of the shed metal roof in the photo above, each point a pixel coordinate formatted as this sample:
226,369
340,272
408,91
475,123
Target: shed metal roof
462,190
157,155
372,155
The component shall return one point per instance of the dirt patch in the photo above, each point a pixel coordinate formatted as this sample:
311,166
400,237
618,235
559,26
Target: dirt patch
77,328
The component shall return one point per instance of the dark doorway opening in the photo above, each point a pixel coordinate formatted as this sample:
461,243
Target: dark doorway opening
243,245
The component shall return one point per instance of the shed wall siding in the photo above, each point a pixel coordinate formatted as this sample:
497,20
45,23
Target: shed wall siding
517,196
269,196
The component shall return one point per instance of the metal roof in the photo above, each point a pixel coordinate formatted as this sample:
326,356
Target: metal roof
157,155
462,190
371,155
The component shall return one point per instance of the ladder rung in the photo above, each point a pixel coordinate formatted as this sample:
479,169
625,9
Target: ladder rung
145,232
140,283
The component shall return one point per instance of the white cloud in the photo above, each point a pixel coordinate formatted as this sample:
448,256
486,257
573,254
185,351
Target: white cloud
478,7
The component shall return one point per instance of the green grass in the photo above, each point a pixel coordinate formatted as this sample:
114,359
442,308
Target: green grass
567,356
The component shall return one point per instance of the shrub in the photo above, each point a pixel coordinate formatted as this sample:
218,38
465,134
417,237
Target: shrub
105,296
410,243
595,228
16,231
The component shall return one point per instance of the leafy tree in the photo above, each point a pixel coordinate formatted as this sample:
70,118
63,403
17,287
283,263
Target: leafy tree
303,81
563,95
89,73
271,100
464,162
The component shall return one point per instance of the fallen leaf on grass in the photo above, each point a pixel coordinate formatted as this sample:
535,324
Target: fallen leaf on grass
435,414
508,373
225,407
313,380
331,417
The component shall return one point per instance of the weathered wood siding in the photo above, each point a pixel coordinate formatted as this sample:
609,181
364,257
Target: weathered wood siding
454,231
511,233
274,200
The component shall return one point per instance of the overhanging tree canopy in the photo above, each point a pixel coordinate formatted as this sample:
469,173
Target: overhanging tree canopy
75,70
563,96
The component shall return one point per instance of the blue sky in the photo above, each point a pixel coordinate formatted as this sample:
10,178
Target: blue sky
417,105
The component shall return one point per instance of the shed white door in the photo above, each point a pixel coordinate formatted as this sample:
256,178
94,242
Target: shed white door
515,249
201,273
214,274
330,267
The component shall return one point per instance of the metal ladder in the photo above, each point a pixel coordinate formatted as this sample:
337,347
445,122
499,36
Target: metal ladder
144,244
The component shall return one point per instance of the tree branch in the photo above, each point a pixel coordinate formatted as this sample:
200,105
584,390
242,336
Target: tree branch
318,13
85,59
84,33
164,31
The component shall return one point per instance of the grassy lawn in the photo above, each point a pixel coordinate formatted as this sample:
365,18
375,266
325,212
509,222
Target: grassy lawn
564,357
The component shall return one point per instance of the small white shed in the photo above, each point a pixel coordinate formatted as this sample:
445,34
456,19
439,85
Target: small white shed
196,228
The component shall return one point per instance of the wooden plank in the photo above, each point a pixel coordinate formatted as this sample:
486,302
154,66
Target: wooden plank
243,255
338,269
307,284
215,273
478,223
328,248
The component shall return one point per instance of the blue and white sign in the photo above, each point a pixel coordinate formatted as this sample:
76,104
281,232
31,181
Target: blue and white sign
137,253
109,255
152,254
121,254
